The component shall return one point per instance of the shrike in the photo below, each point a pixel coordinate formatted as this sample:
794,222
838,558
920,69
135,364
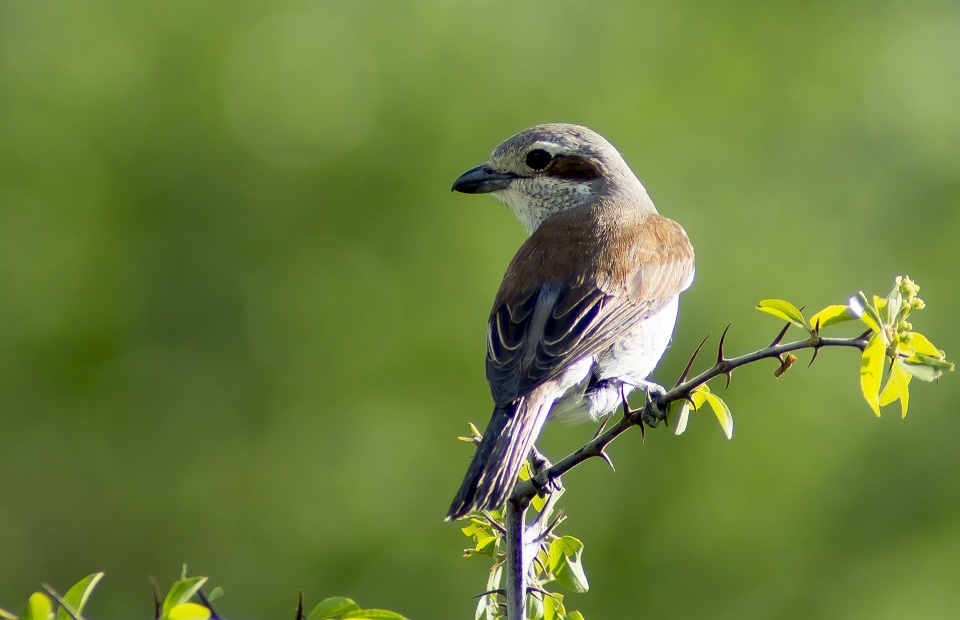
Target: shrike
587,305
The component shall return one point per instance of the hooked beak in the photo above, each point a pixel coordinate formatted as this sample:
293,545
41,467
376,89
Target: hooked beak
482,180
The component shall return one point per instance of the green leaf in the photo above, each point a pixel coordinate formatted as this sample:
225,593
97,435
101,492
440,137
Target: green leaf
188,611
921,345
897,387
76,597
575,615
216,593
486,544
833,314
783,310
565,564
7,615
373,614
535,608
722,412
871,371
868,314
920,370
39,607
181,592
683,418
538,502
333,607
550,609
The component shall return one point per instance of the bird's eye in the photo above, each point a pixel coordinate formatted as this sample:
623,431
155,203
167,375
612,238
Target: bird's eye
538,159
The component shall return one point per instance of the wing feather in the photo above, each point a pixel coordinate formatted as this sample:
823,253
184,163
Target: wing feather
593,281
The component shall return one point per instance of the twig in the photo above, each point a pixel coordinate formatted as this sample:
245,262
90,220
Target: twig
514,564
655,409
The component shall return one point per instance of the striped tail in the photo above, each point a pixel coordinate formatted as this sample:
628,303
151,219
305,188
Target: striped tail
506,443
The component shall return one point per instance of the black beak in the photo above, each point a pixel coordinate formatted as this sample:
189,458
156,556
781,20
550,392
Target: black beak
481,180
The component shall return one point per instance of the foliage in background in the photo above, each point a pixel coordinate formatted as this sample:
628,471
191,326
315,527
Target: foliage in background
184,600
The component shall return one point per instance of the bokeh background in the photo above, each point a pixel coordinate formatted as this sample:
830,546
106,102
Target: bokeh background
242,316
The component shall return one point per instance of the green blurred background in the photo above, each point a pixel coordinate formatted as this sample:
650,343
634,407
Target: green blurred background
242,316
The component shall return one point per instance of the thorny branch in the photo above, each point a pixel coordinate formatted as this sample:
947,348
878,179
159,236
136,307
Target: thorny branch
655,409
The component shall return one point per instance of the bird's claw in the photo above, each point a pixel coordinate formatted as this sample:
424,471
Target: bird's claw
651,414
539,469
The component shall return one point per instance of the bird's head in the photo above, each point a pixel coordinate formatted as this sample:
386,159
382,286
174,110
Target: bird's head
550,168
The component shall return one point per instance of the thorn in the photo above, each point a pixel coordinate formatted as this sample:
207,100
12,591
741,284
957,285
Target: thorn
816,351
723,337
686,371
606,457
299,615
157,607
493,522
553,524
780,336
722,365
865,334
206,603
603,425
816,328
687,397
628,413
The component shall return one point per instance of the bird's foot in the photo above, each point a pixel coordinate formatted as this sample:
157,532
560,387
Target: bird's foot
539,469
650,414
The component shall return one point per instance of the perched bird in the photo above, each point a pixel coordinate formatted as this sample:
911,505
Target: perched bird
588,304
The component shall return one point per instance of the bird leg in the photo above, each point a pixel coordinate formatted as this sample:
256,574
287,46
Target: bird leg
539,465
651,414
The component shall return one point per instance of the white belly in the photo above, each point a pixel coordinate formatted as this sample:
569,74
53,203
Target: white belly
616,371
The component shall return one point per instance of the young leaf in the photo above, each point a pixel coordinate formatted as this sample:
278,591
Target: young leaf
722,412
923,346
871,371
565,564
39,607
868,314
373,614
680,426
216,593
897,387
333,607
181,592
76,597
486,544
920,370
188,611
575,615
534,607
833,314
783,310
6,615
550,609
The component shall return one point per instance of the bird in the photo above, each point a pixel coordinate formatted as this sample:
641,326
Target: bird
588,304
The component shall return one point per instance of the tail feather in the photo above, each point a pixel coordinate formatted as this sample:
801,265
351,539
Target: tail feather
506,443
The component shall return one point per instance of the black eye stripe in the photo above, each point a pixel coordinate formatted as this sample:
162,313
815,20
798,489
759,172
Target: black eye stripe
538,159
573,167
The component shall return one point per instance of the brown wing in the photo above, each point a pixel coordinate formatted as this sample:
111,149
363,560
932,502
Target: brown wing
577,285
